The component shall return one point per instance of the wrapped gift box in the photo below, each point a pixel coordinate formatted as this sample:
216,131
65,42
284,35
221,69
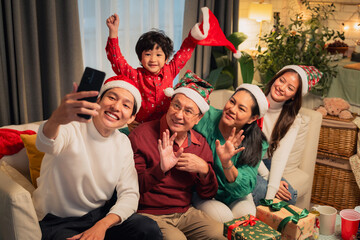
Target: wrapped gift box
302,230
248,227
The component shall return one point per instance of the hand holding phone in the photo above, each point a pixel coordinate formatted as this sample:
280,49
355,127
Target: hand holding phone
91,80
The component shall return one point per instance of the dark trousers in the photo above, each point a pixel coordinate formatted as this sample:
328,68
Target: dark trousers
135,227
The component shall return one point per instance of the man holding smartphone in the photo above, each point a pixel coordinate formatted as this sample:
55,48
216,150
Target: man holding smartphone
85,161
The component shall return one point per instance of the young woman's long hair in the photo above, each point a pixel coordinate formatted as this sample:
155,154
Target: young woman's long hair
288,113
254,138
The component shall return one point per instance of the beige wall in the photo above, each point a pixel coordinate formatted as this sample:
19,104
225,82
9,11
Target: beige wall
345,13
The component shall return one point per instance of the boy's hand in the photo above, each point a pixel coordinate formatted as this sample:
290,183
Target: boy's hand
113,24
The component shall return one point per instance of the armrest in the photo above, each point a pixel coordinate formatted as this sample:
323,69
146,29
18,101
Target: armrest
18,217
312,141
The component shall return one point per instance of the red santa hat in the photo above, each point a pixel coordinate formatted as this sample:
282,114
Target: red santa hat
310,75
124,82
209,33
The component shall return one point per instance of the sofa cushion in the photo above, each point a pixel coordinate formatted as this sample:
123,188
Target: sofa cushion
34,155
18,217
20,160
17,177
295,156
299,180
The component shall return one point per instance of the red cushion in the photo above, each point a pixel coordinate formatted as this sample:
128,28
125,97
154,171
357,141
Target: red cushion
10,141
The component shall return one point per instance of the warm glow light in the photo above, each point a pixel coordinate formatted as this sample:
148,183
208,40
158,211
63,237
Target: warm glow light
357,26
260,11
346,27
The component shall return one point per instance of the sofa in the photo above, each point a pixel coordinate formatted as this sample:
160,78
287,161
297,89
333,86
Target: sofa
18,218
299,171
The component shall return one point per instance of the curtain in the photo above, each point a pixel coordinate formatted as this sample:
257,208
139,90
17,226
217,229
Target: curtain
40,57
227,13
136,18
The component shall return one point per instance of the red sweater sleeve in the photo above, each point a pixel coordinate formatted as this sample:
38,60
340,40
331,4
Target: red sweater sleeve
182,55
148,176
208,186
117,60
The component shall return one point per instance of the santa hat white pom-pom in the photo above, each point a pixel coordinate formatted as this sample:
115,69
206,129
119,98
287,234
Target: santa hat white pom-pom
237,55
169,92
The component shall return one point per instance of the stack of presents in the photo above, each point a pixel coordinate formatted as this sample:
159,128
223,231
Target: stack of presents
274,219
337,170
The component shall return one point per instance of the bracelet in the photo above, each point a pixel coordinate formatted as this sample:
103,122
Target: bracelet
227,168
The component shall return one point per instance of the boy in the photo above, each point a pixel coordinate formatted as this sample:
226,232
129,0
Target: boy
154,50
84,162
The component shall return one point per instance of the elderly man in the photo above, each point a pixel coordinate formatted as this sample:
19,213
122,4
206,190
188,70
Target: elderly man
170,169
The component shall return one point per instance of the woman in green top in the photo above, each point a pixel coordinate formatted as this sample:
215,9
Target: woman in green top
238,146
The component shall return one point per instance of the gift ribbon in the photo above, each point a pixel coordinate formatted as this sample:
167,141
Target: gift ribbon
277,206
251,221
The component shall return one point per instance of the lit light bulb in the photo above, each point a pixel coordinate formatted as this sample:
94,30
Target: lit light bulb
346,27
357,26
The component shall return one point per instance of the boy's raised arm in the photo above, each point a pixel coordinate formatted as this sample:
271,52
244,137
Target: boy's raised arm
113,24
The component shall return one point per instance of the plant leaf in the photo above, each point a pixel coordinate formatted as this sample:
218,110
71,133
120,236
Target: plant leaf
224,82
247,67
214,76
236,38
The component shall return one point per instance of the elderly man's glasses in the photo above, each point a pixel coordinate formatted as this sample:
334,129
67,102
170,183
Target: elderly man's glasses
187,112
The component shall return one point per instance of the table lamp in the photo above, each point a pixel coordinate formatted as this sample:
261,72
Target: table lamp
260,12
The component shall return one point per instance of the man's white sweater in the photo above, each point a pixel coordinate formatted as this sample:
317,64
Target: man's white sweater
80,171
281,155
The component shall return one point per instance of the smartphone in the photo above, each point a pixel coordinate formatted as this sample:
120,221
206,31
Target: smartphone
91,80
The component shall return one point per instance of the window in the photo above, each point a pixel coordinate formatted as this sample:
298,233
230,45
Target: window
136,18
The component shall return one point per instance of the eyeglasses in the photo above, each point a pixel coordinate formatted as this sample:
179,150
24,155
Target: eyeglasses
187,112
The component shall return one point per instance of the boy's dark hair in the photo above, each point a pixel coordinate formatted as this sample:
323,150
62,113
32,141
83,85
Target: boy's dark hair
135,104
148,40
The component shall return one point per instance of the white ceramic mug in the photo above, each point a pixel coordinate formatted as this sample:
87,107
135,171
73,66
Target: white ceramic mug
327,219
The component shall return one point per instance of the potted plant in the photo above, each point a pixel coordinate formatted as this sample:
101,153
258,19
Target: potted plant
223,76
303,43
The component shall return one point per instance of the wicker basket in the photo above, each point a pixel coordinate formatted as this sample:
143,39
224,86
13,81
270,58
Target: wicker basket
335,187
337,138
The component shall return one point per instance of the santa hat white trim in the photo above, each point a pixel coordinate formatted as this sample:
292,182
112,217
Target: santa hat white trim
259,96
192,94
125,85
238,54
195,31
303,76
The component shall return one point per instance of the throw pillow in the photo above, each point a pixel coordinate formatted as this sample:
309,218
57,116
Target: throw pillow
34,155
10,142
17,177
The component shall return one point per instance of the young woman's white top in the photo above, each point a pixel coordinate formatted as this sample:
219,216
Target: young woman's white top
281,154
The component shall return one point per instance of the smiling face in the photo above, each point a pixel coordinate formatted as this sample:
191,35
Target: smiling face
238,110
285,87
153,60
116,110
183,114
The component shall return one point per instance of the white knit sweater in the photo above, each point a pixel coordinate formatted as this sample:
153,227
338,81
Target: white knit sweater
281,155
81,169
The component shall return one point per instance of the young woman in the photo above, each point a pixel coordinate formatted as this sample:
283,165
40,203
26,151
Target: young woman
281,125
238,146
